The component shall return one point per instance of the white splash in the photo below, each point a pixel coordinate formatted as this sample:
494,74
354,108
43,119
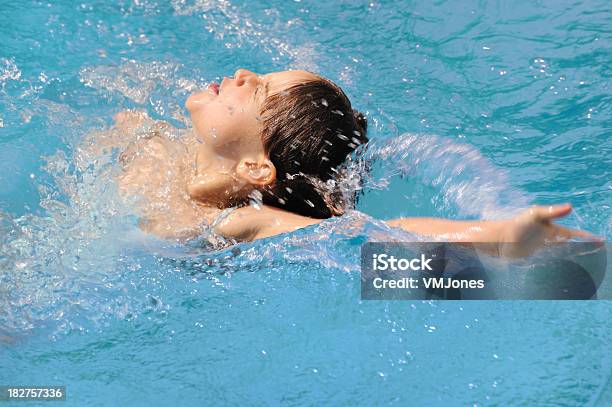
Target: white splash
465,179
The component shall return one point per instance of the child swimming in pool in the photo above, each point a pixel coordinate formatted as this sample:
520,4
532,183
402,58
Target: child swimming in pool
275,137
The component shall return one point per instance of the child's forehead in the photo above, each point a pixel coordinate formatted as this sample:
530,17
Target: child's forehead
278,81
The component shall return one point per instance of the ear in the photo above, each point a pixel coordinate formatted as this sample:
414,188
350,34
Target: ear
260,173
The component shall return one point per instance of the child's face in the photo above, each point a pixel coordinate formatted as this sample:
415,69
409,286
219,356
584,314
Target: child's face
231,159
226,116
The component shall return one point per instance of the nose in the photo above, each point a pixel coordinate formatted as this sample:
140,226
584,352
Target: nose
243,75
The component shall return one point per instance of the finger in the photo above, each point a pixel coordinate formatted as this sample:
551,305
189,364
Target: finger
567,233
544,213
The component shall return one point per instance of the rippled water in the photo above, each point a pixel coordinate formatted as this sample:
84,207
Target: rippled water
476,109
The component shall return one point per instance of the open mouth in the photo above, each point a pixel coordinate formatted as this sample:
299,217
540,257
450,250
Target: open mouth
214,88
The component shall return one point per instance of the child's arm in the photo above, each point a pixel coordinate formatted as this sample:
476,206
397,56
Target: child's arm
514,237
249,223
119,135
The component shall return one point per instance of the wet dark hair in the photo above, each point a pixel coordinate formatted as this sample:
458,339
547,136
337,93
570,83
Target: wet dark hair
309,130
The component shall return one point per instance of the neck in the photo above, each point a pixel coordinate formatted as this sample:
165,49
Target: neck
215,184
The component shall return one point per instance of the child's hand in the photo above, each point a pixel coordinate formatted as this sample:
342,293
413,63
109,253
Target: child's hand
533,227
129,120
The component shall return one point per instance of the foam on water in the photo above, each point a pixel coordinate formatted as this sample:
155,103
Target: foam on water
232,25
155,83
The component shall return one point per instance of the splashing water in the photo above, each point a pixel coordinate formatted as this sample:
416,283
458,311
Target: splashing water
88,240
464,179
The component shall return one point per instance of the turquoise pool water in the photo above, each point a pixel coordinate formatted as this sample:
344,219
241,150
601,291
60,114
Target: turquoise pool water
476,109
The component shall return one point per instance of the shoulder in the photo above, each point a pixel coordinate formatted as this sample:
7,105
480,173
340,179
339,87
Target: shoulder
250,223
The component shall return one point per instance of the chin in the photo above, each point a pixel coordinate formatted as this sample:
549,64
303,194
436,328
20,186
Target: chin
197,100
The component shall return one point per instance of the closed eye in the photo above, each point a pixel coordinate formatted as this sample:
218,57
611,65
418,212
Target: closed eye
261,84
257,91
